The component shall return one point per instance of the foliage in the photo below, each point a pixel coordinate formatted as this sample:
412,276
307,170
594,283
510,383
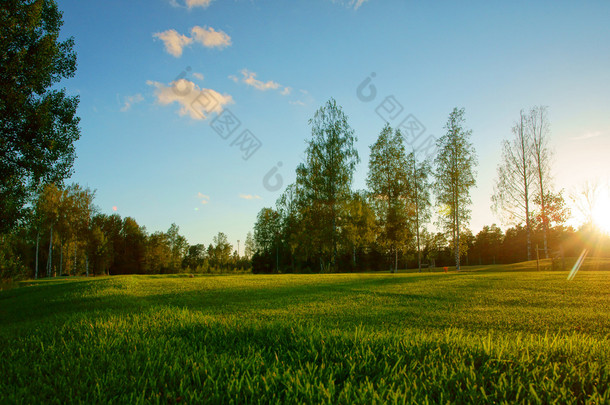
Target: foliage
38,122
454,177
390,190
326,176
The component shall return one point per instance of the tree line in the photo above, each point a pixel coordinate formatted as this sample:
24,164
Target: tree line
320,224
66,235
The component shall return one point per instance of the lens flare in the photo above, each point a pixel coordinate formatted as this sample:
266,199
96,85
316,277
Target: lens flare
577,265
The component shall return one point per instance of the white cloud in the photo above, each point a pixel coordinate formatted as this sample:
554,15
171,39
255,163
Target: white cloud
234,78
251,80
197,102
297,102
203,198
192,3
250,197
587,135
130,101
356,3
209,37
174,42
200,3
286,91
198,75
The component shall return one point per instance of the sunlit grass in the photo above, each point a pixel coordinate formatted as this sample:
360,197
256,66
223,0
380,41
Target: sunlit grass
487,334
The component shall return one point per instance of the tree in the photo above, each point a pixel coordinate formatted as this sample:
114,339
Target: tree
267,231
585,198
249,246
82,211
388,183
159,256
132,254
38,123
360,228
195,257
538,127
326,176
420,196
454,177
178,246
487,245
555,212
222,250
287,206
516,175
47,209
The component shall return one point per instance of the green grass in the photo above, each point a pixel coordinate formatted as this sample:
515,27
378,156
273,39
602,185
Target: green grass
487,334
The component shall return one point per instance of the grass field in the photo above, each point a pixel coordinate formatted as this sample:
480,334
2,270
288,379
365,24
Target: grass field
487,334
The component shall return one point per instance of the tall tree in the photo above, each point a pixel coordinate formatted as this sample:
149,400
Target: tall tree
388,183
133,250
326,176
287,206
38,123
539,129
178,245
455,176
83,210
513,191
420,196
47,209
267,232
222,250
249,246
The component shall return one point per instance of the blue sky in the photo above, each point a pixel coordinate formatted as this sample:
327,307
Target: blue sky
154,155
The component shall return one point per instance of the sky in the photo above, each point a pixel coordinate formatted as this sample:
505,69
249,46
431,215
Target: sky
195,112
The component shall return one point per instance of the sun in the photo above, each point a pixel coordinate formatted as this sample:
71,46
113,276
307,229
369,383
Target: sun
601,212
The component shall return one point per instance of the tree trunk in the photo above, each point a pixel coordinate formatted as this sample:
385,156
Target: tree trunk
37,243
417,232
61,257
528,230
417,217
457,235
395,260
50,258
87,264
75,256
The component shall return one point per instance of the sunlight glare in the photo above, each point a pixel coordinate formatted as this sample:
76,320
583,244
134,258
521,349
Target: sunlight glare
601,212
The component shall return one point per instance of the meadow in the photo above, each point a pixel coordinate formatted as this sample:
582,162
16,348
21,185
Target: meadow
488,334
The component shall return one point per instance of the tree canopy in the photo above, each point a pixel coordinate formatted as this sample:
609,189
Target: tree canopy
38,122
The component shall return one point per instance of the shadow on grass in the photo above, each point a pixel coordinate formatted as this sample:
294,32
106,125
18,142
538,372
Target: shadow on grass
53,300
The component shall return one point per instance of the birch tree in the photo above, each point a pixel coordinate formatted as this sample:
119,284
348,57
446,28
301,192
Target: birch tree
539,129
514,187
454,176
326,176
387,181
420,194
